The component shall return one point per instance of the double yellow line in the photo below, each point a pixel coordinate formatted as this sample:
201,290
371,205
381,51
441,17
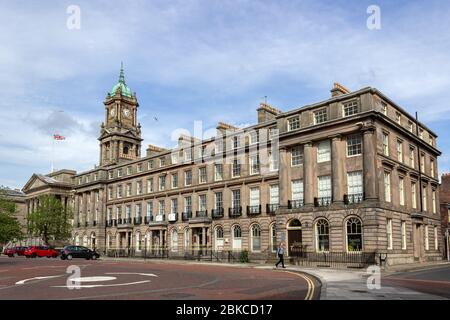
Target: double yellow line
310,293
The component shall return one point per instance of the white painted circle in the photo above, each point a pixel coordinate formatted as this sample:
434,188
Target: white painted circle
92,279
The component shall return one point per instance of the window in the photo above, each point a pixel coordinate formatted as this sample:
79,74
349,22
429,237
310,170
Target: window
422,163
111,175
350,108
411,157
138,210
410,126
219,145
293,123
322,236
320,116
236,170
87,179
174,205
110,193
119,172
188,178
384,108
431,140
128,189
110,214
236,198
297,190
324,185
387,186
235,142
354,234
421,133
273,237
254,164
296,156
202,202
149,185
256,238
324,151
188,155
119,191
139,187
436,245
174,180
398,118
218,172
128,212
424,198
354,145
403,235
385,144
254,197
202,174
150,165
137,238
187,204
128,170
413,195
427,240
389,233
354,186
400,151
174,240
162,161
401,190
273,132
174,157
162,183
139,167
218,197
273,161
433,199
95,176
149,208
161,207
432,168
274,194
254,137
219,239
118,213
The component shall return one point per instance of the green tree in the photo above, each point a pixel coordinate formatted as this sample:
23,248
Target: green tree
50,220
10,227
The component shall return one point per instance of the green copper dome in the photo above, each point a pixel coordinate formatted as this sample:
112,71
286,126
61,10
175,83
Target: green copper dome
126,91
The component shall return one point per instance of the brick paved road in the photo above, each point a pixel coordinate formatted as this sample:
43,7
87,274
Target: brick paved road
44,278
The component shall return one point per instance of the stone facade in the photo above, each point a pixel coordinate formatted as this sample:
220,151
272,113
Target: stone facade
340,175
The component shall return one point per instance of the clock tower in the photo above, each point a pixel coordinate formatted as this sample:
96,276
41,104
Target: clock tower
120,134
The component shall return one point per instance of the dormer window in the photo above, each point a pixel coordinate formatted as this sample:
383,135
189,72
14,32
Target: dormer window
320,116
350,108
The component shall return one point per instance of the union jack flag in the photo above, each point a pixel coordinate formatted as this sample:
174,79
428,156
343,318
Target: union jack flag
58,137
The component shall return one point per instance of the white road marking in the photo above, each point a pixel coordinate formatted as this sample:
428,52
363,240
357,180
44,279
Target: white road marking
105,285
92,279
37,278
140,274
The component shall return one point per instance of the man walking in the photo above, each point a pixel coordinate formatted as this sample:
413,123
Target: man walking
280,253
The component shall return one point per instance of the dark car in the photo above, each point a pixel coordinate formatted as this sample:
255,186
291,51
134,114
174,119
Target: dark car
15,251
70,252
41,251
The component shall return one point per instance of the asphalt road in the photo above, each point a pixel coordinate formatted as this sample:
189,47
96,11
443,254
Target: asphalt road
44,278
434,280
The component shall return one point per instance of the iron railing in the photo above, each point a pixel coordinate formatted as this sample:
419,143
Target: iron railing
357,259
137,221
272,208
186,216
201,214
294,204
254,210
217,213
353,198
322,201
235,212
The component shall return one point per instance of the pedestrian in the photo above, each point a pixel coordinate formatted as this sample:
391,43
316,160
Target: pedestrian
280,253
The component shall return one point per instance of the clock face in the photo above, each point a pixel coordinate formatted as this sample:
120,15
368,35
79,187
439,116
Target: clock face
126,112
112,112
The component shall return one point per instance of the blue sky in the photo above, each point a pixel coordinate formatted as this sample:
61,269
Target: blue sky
204,60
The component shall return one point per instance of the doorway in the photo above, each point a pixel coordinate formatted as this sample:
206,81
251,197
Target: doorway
294,237
418,241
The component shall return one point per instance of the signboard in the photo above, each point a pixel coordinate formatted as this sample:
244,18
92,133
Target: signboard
159,218
172,217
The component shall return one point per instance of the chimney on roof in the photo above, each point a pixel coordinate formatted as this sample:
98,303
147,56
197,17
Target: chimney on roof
223,127
338,90
266,112
153,150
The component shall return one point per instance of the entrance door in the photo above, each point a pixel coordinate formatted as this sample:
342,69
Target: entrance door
294,242
417,235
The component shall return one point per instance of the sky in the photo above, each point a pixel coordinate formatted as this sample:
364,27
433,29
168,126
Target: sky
206,61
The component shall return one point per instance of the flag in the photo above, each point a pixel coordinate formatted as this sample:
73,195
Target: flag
58,137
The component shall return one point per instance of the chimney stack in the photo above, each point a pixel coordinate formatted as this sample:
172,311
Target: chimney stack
338,90
266,112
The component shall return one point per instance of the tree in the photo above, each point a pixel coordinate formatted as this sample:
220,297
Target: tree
50,220
10,228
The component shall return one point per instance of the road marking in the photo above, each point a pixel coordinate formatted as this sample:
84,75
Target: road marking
93,279
418,280
105,285
36,278
136,273
310,292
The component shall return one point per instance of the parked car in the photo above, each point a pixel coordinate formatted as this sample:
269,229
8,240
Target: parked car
41,251
70,252
15,251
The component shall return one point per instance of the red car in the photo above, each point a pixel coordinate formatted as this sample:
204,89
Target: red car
14,251
41,251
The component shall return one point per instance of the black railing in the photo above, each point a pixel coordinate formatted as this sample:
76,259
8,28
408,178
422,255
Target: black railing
253,210
86,224
187,216
272,208
127,221
160,217
294,204
353,198
322,201
147,219
201,214
94,223
332,259
119,221
235,212
114,222
173,217
78,224
109,223
217,213
137,220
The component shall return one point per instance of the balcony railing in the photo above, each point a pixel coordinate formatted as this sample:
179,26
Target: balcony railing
201,214
322,201
94,223
86,224
172,217
294,204
353,198
119,221
109,223
217,213
114,222
137,221
78,224
272,208
235,212
160,217
254,210
187,216
127,221
147,219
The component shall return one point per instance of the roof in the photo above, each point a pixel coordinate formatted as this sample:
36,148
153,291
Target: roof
124,89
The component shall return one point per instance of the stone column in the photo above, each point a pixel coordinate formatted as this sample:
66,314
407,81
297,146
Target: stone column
284,178
308,174
191,242
369,160
338,168
203,239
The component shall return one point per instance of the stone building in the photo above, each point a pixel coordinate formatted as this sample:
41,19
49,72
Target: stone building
18,197
445,210
353,173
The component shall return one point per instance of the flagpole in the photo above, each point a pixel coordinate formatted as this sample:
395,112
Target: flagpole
52,154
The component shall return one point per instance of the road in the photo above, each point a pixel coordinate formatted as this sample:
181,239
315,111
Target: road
434,280
44,278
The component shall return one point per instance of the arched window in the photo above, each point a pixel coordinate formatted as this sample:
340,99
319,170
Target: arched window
174,240
219,233
237,233
125,150
219,238
138,241
354,234
273,237
237,240
256,238
322,235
